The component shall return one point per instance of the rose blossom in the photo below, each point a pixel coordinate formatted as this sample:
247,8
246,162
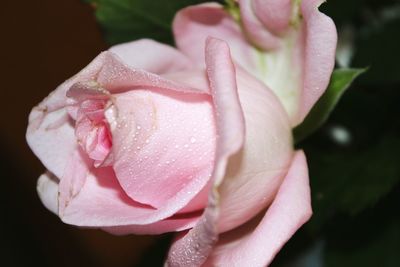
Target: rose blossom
147,140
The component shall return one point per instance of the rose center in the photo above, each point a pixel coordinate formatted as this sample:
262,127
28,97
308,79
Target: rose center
92,130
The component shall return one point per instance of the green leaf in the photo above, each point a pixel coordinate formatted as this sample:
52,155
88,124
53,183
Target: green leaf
352,176
127,20
341,79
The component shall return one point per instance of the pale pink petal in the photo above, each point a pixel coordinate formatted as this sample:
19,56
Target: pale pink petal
319,58
152,56
101,202
274,14
156,156
257,245
256,172
192,26
47,188
73,179
193,248
50,132
255,30
171,224
51,137
116,76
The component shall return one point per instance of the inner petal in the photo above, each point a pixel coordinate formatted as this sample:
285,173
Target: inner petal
92,130
163,144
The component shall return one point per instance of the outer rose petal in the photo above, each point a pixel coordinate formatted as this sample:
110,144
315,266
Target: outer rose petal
319,61
156,156
101,202
152,56
256,172
50,134
194,248
192,26
257,246
47,188
172,224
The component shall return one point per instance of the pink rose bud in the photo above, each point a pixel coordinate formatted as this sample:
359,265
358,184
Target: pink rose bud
141,142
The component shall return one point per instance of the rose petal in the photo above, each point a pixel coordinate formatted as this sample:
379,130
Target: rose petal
255,30
50,134
156,156
256,172
117,76
152,56
101,202
257,245
193,248
73,178
319,58
47,188
192,26
274,14
172,224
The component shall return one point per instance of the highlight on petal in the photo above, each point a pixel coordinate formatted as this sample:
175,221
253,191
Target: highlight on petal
256,243
152,56
47,188
193,248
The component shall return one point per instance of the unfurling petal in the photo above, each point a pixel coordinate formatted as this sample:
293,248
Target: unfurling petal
256,243
193,248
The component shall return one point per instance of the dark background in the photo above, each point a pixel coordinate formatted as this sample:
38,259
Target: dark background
356,192
42,44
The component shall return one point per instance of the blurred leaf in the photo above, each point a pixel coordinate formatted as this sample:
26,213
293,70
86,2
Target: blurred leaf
370,239
353,175
127,20
341,79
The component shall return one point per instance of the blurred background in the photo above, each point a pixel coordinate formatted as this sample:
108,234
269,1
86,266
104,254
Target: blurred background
354,158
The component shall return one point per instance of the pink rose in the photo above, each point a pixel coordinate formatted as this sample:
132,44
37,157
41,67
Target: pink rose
146,140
